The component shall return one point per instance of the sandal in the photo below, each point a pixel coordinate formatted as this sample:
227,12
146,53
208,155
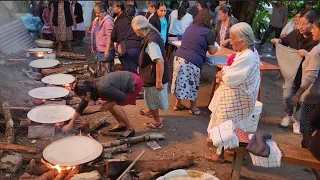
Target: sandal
118,129
195,112
180,107
146,113
214,158
153,125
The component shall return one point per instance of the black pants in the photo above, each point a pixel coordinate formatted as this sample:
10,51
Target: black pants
269,31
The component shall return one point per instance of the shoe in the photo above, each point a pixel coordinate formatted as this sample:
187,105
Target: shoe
296,128
118,129
286,121
131,134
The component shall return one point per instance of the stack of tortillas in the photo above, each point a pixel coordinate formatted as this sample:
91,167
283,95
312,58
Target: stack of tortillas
72,151
58,79
48,92
51,113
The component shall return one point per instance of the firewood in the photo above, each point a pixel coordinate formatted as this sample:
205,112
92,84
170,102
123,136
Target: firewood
71,56
17,148
9,132
131,166
48,175
72,173
66,69
163,166
34,168
21,108
92,109
148,175
62,175
114,167
116,150
137,139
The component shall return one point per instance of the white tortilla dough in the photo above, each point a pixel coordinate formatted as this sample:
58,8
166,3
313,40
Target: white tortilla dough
40,50
58,79
51,113
72,151
44,63
48,92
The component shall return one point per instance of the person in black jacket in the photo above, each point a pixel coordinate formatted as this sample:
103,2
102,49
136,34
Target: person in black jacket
80,30
123,33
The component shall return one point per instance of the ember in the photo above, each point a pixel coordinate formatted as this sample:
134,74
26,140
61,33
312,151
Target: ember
57,167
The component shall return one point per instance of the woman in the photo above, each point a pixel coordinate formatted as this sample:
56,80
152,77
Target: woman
118,8
179,20
153,69
152,9
118,89
161,12
134,3
79,31
297,39
101,43
241,80
62,18
189,59
221,30
47,27
290,26
123,34
217,11
309,90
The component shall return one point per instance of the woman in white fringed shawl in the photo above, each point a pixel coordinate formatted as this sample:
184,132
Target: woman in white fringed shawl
235,98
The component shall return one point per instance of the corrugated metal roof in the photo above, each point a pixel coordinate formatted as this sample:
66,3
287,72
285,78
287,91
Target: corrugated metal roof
5,15
14,37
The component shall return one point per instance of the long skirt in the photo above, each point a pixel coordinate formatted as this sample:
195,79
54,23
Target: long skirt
156,99
185,79
305,128
130,60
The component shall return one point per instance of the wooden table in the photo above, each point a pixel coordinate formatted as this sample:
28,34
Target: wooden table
264,67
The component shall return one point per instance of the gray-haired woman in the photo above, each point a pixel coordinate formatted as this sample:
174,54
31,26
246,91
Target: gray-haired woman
235,98
153,68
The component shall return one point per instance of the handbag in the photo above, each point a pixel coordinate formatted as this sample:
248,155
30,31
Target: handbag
121,46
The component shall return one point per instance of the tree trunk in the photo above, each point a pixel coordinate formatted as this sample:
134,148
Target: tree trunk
245,10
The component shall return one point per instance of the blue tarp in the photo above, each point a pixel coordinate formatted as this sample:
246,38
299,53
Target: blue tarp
33,24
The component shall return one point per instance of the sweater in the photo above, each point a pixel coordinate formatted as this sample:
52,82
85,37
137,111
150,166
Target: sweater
103,36
78,13
122,27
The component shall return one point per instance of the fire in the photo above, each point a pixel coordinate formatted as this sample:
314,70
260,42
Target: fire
57,167
67,86
40,54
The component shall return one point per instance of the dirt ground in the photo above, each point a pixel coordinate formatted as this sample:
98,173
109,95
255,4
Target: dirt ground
185,134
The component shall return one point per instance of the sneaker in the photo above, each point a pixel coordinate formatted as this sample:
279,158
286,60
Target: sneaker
286,121
296,128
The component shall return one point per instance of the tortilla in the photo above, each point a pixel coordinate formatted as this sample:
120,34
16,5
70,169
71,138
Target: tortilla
51,113
44,63
72,151
58,79
40,50
48,92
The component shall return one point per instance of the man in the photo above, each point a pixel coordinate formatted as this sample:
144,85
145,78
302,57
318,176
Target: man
279,18
309,6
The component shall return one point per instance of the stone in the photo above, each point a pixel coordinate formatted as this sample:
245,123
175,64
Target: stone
25,176
41,131
93,175
11,163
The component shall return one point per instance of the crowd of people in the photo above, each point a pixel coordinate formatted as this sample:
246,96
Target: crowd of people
140,42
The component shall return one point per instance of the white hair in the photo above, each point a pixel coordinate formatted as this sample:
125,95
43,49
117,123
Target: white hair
244,32
141,22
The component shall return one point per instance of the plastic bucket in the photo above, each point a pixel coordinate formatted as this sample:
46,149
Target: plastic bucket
255,118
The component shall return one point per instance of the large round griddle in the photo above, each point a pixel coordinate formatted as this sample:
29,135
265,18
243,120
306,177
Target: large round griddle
51,114
40,50
58,79
72,151
48,92
44,63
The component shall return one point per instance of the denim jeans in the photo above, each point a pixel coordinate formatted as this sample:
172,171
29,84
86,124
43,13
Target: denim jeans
289,90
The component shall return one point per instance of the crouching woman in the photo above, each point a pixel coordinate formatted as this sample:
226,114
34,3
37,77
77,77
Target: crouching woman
118,89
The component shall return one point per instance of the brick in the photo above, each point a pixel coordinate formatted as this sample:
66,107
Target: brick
41,131
11,163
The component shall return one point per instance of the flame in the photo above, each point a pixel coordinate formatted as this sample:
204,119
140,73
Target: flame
67,86
57,167
40,54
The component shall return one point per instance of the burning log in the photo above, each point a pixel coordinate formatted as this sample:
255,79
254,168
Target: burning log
48,175
72,173
17,148
71,56
137,139
62,175
34,168
9,132
66,69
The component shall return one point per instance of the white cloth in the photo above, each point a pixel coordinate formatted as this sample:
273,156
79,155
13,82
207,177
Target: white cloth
274,159
288,28
223,136
80,27
176,26
154,51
